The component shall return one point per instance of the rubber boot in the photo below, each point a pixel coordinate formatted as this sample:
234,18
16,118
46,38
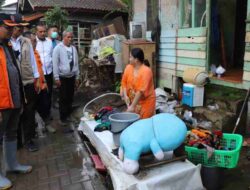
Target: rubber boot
4,183
12,165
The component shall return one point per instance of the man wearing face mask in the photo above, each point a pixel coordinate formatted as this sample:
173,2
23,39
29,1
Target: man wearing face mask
66,74
53,35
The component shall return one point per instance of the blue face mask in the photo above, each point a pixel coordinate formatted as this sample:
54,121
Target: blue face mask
54,35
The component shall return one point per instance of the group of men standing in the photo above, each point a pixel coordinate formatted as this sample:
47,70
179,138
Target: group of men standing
29,63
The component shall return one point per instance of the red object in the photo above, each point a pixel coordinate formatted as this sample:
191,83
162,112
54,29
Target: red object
99,166
103,111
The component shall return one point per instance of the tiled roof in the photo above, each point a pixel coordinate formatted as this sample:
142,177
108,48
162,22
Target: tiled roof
101,5
32,17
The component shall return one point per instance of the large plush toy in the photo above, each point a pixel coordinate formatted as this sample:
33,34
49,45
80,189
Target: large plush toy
160,133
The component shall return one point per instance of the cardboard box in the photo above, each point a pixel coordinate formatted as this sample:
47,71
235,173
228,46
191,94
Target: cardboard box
112,29
100,33
105,31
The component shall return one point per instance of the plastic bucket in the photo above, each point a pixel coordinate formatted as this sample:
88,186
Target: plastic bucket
120,121
116,138
195,76
212,177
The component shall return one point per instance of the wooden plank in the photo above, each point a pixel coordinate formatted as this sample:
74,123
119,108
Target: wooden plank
225,83
164,83
191,54
168,46
192,32
248,27
247,38
167,65
246,66
168,52
169,72
169,33
164,72
167,59
201,40
190,61
246,76
179,67
246,85
247,56
194,47
247,48
167,40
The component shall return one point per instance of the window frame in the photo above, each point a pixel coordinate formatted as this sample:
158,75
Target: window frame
193,14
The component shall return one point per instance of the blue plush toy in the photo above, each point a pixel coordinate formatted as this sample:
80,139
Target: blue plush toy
160,133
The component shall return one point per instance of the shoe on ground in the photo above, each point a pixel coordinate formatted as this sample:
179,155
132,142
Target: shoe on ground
21,169
5,183
63,122
72,119
31,146
67,130
50,129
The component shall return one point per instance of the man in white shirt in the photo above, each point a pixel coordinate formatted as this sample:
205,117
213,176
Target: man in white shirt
45,48
29,72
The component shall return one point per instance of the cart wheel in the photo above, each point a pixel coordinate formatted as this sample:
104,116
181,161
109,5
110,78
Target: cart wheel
109,183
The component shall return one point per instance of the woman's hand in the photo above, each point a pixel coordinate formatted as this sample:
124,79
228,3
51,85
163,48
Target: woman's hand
126,99
131,108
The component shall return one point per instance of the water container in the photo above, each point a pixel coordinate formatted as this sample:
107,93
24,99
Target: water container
119,122
195,76
193,95
212,177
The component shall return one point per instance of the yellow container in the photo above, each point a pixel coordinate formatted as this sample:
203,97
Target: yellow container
195,76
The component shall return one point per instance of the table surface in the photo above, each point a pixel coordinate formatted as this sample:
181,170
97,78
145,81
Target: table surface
173,176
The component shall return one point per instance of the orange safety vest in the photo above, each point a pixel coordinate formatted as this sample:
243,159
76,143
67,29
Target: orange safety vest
6,101
40,70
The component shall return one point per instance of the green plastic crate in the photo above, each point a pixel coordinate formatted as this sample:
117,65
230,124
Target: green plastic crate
220,158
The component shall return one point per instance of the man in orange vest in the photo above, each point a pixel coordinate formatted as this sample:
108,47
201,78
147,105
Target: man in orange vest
11,100
43,85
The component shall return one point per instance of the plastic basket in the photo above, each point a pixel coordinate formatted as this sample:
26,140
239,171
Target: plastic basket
220,158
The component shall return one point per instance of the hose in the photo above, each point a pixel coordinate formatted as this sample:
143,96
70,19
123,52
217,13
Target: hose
101,96
203,17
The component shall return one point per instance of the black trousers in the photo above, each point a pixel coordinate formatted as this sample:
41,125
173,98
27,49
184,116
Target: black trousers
66,94
45,99
28,123
10,123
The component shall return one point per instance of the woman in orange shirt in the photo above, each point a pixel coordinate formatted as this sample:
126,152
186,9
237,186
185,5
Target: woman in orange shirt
137,86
